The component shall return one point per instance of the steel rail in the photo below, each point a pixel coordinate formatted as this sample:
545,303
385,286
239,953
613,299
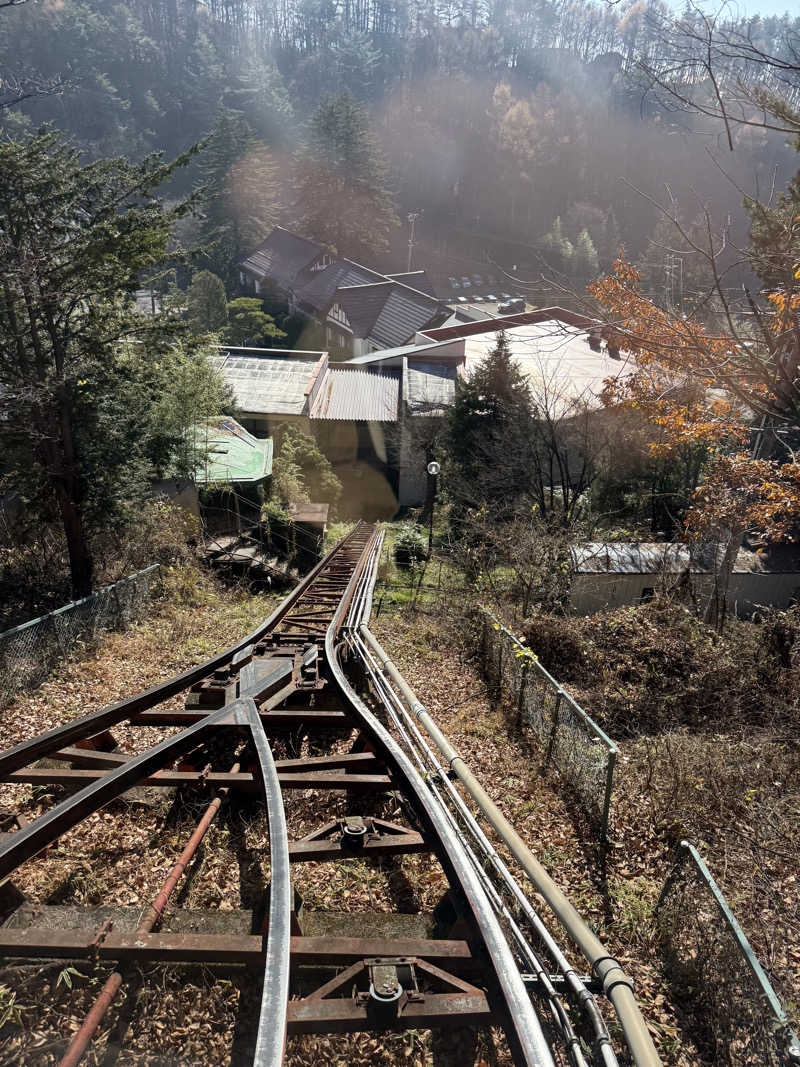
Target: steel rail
616,984
95,722
271,1039
524,1027
358,619
113,984
526,952
428,764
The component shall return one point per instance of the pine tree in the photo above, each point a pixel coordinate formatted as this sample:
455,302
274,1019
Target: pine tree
250,324
242,195
490,436
342,196
75,237
207,303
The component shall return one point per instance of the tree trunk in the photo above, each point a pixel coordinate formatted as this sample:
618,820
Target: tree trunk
80,558
715,607
58,453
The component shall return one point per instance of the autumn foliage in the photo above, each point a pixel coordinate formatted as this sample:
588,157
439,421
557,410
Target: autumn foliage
722,390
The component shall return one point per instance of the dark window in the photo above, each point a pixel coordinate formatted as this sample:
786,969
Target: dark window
647,594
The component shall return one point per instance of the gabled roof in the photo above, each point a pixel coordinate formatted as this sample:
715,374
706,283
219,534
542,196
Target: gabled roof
282,256
416,279
318,292
363,304
404,312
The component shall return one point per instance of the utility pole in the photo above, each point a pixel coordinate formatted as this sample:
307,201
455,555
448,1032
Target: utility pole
412,218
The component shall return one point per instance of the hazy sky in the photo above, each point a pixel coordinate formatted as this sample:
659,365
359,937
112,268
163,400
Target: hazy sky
751,7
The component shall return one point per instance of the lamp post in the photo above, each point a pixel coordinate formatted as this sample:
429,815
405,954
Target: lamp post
412,218
433,471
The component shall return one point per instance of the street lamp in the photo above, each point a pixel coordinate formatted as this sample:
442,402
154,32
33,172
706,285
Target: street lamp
412,218
433,471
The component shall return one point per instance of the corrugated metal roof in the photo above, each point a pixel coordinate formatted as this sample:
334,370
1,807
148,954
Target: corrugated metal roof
268,385
353,394
430,386
282,256
596,557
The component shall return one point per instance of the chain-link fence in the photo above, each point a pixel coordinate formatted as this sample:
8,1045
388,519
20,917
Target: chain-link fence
711,962
29,652
582,753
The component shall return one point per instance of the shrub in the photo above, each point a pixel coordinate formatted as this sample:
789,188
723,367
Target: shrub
409,548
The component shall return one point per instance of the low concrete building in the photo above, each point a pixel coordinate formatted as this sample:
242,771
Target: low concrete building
613,574
378,414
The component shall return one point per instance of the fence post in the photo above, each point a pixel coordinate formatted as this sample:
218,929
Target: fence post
554,729
671,878
523,691
612,760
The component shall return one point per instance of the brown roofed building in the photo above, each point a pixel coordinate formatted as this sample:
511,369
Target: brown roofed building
359,309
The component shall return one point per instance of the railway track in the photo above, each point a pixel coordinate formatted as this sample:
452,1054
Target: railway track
313,666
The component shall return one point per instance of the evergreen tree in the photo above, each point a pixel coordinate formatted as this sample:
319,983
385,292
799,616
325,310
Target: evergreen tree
558,248
250,324
610,242
490,438
74,239
242,195
207,303
342,197
585,262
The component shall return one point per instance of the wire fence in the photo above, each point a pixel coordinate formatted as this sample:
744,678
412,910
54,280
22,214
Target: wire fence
570,740
29,652
712,963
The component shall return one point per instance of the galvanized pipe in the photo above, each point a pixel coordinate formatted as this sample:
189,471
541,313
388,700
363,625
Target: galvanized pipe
531,960
576,986
525,1030
616,984
113,984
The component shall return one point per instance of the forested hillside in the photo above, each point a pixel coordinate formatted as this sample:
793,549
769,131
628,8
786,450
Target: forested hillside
525,131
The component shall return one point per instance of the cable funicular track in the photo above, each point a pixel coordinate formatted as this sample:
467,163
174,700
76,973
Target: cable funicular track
313,665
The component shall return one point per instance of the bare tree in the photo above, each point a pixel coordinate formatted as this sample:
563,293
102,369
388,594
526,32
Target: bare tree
709,66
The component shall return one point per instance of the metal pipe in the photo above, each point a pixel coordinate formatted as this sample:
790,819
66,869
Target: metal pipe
581,994
525,1030
617,986
113,984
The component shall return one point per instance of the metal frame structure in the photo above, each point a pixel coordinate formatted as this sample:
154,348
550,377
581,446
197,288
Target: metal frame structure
308,665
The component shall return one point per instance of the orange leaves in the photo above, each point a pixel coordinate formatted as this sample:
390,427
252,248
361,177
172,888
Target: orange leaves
701,388
748,493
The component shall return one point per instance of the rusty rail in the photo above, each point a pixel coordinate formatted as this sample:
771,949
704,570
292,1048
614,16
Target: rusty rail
299,668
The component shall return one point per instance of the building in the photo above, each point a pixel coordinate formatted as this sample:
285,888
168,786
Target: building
359,309
613,574
378,412
229,455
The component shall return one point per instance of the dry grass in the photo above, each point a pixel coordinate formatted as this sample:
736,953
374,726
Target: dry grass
708,731
431,651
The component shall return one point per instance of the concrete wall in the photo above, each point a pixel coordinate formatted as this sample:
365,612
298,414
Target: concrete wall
748,592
